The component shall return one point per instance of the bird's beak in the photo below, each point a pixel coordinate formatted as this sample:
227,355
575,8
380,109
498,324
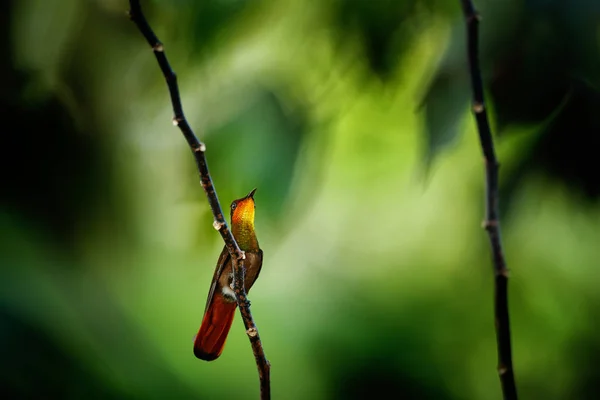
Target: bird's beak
251,194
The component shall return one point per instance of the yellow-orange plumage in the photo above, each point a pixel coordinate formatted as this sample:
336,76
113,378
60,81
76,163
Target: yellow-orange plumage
244,213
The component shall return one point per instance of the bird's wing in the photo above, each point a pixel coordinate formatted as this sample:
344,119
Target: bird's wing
224,258
260,256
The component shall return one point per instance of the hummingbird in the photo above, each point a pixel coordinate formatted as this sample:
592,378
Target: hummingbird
221,302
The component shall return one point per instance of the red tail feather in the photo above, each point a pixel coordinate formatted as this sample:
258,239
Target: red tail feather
215,326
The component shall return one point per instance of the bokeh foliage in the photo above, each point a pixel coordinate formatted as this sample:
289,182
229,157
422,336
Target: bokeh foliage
351,118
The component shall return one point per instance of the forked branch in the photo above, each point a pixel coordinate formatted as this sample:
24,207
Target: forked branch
492,222
198,149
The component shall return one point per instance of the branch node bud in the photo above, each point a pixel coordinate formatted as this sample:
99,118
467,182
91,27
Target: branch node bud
218,225
252,332
489,223
201,148
503,272
502,369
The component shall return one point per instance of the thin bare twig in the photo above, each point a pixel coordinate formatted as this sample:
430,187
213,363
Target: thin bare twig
492,222
198,149
264,367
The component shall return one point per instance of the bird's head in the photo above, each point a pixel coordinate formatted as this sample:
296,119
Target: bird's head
242,210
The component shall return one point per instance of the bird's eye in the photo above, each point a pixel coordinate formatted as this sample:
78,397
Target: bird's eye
233,206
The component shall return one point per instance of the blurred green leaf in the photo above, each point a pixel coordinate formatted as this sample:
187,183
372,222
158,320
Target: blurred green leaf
445,104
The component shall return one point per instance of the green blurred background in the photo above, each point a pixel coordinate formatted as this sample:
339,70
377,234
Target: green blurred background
352,119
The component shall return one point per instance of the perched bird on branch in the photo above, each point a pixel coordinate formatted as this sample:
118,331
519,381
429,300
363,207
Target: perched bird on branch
222,302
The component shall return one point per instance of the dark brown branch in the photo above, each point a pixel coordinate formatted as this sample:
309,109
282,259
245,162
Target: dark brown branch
264,367
492,222
198,149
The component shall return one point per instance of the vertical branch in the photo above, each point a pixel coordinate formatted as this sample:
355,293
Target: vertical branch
264,367
492,222
198,149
